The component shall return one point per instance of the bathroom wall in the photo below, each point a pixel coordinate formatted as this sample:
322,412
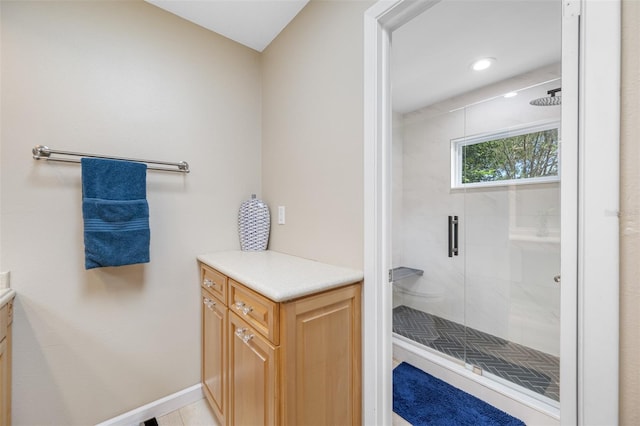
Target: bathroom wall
630,217
312,117
128,79
502,281
1,270
397,189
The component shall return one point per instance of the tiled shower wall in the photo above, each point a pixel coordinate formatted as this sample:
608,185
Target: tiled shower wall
502,281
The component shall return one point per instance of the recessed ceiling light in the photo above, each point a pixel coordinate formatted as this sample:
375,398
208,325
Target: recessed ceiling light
482,64
510,94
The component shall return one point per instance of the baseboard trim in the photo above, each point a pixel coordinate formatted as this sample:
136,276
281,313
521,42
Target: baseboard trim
157,408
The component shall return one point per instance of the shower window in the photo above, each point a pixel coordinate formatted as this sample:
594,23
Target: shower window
527,154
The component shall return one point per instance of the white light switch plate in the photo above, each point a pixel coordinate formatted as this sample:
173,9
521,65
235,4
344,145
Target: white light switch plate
280,215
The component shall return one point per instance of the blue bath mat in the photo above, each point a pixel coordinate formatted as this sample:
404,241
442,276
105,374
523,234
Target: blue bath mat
421,399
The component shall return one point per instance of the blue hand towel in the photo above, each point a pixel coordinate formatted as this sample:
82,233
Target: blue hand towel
115,212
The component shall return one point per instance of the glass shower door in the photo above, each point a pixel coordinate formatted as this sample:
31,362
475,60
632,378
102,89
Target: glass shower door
476,189
508,167
428,303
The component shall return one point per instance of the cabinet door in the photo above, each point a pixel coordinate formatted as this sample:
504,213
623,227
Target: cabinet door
214,353
321,359
253,376
5,392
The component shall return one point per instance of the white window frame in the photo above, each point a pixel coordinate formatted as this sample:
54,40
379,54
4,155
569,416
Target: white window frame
458,143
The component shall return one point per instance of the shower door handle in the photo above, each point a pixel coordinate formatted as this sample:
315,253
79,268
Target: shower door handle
453,236
450,229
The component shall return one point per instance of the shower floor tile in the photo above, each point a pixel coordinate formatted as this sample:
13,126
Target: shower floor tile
529,368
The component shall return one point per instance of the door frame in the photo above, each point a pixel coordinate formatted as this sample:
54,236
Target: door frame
590,200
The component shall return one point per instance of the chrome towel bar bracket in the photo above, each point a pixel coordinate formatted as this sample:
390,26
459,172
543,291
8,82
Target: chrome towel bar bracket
41,152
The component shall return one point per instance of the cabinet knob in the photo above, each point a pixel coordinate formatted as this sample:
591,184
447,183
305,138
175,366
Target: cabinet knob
208,283
243,307
209,303
241,332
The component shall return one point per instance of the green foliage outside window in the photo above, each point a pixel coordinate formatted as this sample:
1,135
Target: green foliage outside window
530,155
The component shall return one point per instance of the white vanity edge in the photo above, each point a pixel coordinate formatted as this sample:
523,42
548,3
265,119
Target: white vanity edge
6,294
279,276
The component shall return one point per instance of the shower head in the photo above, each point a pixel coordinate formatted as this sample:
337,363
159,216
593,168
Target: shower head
550,100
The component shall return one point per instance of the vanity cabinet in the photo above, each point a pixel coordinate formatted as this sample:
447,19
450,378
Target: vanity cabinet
4,383
292,362
253,375
214,341
321,359
6,318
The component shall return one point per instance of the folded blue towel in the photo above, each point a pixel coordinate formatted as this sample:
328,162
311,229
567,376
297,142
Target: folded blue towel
115,212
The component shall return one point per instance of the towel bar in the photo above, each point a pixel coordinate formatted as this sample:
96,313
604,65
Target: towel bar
41,152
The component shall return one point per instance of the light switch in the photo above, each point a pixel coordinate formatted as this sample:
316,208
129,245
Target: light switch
280,215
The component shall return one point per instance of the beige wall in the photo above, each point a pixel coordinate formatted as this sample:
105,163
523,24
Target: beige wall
121,78
312,120
630,217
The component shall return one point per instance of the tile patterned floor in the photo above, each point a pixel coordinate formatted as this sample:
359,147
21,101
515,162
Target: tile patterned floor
197,414
526,367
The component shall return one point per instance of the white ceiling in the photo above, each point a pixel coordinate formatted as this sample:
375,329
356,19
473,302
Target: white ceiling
431,55
254,23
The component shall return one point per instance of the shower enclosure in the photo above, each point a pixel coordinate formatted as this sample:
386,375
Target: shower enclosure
476,178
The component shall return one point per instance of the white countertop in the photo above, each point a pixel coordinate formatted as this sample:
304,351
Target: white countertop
278,276
6,294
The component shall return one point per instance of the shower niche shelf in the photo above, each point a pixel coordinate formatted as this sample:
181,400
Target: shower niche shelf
403,272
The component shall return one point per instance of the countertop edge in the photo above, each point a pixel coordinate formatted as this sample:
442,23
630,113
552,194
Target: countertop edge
6,296
348,277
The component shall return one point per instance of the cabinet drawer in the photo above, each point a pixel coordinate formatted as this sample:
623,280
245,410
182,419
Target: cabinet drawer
4,321
215,282
260,312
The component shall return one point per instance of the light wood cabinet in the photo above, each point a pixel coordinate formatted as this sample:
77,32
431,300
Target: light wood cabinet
322,359
253,375
4,379
214,353
283,363
6,318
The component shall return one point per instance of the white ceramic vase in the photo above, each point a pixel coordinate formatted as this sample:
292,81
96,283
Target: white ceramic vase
254,223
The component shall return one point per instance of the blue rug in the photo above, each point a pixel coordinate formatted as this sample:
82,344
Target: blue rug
421,399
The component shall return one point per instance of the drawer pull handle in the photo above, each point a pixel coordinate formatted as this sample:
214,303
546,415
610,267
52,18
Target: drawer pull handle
242,307
241,332
209,303
208,283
